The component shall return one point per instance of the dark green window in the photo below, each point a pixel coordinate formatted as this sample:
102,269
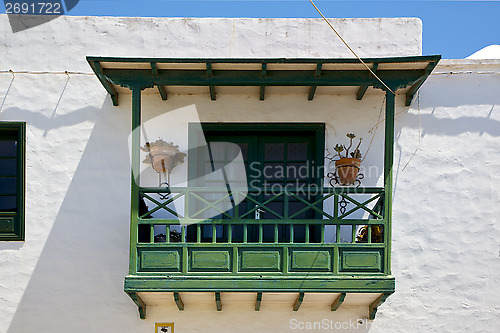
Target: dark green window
12,166
276,156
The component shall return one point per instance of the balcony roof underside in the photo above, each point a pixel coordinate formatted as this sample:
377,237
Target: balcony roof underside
167,75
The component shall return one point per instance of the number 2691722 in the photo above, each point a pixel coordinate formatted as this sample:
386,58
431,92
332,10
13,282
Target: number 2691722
33,8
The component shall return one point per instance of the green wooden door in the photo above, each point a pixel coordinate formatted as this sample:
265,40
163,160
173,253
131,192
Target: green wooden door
274,160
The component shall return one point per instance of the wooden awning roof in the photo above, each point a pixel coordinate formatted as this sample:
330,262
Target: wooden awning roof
189,74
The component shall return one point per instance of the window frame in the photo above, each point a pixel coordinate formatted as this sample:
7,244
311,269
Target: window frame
13,223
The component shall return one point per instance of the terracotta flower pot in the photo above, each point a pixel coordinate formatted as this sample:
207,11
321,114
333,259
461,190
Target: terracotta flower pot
163,157
347,170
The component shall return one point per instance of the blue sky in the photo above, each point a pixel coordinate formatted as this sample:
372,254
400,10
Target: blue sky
454,29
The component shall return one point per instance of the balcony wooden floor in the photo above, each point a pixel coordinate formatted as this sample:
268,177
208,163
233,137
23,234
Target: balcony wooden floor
196,301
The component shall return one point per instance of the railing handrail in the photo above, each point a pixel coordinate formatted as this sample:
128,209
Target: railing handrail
161,221
311,189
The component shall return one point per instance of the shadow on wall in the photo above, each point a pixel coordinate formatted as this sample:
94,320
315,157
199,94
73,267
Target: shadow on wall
442,90
47,124
442,261
430,124
77,284
449,97
462,92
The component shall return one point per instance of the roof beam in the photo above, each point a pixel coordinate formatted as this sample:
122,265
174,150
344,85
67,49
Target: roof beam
96,66
338,302
298,302
263,73
414,88
317,75
318,70
394,78
161,89
209,69
362,90
154,68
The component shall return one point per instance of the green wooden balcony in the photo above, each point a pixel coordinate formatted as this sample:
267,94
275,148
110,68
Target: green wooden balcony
327,240
295,241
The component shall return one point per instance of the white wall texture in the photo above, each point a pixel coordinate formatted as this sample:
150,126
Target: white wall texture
68,274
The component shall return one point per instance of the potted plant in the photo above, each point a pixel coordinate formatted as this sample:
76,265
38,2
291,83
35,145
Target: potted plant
163,156
377,235
348,163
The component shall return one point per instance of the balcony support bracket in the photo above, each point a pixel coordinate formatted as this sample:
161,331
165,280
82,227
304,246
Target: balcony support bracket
374,306
312,91
140,304
298,302
213,96
362,90
163,92
258,301
414,88
218,302
178,301
338,302
96,66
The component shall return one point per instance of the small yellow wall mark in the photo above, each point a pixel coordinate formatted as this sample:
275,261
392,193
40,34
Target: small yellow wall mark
164,328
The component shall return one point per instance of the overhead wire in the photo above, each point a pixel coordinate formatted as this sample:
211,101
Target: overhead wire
8,89
347,45
419,133
373,131
45,72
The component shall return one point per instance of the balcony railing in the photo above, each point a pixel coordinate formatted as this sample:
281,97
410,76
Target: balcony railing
293,231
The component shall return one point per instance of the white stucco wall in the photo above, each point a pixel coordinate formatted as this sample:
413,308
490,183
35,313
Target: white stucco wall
446,226
64,42
68,274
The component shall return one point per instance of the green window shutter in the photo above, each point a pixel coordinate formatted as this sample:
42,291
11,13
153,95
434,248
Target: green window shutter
12,178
